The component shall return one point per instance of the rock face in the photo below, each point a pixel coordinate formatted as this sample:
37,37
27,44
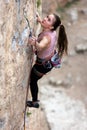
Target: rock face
15,60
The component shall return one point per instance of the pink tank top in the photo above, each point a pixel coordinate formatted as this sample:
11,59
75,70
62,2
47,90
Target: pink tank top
48,51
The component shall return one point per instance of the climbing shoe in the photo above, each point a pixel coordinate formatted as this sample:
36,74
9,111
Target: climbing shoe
32,104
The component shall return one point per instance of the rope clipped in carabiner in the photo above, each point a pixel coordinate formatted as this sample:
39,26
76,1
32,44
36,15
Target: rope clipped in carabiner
30,34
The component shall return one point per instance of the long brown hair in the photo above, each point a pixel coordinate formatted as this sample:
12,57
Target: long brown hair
62,43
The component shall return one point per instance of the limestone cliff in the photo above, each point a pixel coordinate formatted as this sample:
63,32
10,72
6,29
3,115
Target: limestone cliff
15,60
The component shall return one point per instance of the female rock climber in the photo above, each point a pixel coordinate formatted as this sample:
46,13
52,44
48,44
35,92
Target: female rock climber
45,46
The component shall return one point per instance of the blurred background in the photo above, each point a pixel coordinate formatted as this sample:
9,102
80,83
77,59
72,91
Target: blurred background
63,91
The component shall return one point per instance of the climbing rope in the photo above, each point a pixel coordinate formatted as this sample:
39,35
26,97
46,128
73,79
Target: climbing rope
27,91
30,34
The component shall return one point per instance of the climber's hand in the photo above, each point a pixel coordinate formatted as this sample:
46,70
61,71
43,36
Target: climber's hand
32,40
38,18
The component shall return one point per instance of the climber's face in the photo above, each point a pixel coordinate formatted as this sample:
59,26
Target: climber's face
48,21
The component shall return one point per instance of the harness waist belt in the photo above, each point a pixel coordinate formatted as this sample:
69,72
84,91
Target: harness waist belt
42,61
